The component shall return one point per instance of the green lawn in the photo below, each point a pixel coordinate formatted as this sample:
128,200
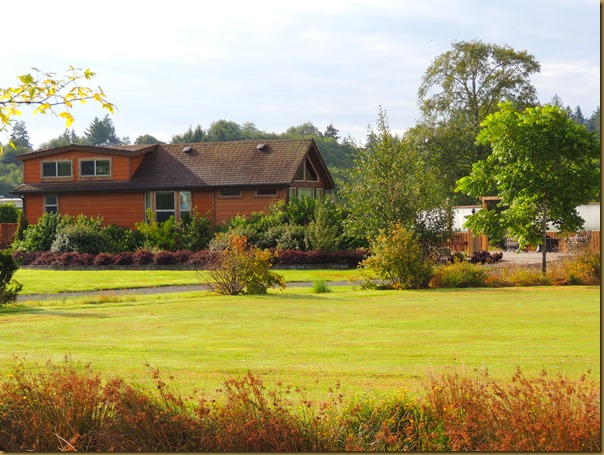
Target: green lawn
36,281
366,340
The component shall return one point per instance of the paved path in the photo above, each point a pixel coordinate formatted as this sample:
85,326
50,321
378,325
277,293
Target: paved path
531,258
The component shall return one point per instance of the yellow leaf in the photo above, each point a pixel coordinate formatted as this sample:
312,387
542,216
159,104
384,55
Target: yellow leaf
68,118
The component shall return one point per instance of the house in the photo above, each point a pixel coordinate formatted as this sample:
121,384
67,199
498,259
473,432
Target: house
119,183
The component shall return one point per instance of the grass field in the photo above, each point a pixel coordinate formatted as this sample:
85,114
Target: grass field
365,340
36,281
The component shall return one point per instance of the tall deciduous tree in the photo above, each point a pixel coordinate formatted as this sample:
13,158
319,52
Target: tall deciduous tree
458,90
49,93
390,182
543,166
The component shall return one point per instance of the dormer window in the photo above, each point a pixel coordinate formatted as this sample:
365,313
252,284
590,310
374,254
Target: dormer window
95,168
55,169
306,172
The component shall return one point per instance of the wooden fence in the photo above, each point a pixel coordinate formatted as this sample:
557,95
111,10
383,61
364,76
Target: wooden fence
7,233
466,242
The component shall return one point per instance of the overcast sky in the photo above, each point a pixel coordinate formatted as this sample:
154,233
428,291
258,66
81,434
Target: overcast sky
171,64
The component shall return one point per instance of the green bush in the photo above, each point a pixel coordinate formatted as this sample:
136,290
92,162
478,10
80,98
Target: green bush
195,232
122,239
158,236
80,235
460,274
320,287
9,288
9,213
396,261
40,236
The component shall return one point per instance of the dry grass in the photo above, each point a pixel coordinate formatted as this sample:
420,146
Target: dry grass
66,407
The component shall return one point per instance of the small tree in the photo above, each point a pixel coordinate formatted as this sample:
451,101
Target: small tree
543,166
235,268
9,288
396,261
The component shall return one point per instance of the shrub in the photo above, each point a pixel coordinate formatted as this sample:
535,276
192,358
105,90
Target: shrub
320,287
84,235
121,239
525,276
459,275
531,414
323,232
164,258
581,269
40,236
9,288
142,257
396,261
238,269
104,259
158,236
124,258
195,232
9,213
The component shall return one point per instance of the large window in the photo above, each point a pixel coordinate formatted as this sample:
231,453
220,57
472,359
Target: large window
51,203
306,172
95,168
168,203
56,169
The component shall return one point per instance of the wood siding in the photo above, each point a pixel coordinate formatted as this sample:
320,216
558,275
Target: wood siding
121,209
33,207
121,167
227,208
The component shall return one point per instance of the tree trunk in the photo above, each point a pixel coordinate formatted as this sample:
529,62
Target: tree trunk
544,239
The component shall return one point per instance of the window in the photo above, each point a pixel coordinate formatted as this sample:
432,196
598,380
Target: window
306,172
230,193
305,192
263,192
51,203
292,193
56,169
94,168
184,205
163,204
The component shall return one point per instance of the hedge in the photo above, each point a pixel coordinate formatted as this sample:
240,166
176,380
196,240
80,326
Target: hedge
182,258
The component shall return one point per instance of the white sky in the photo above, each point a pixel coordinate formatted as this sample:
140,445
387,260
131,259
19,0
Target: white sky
278,63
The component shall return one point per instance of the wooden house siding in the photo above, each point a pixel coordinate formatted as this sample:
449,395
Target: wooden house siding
229,207
134,164
33,207
203,203
121,168
121,209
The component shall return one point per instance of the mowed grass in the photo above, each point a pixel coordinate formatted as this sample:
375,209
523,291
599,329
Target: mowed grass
364,340
37,281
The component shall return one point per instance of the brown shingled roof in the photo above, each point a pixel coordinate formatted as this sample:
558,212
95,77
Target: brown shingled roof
205,165
223,164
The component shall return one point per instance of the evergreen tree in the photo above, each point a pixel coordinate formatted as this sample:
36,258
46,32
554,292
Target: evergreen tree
102,132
